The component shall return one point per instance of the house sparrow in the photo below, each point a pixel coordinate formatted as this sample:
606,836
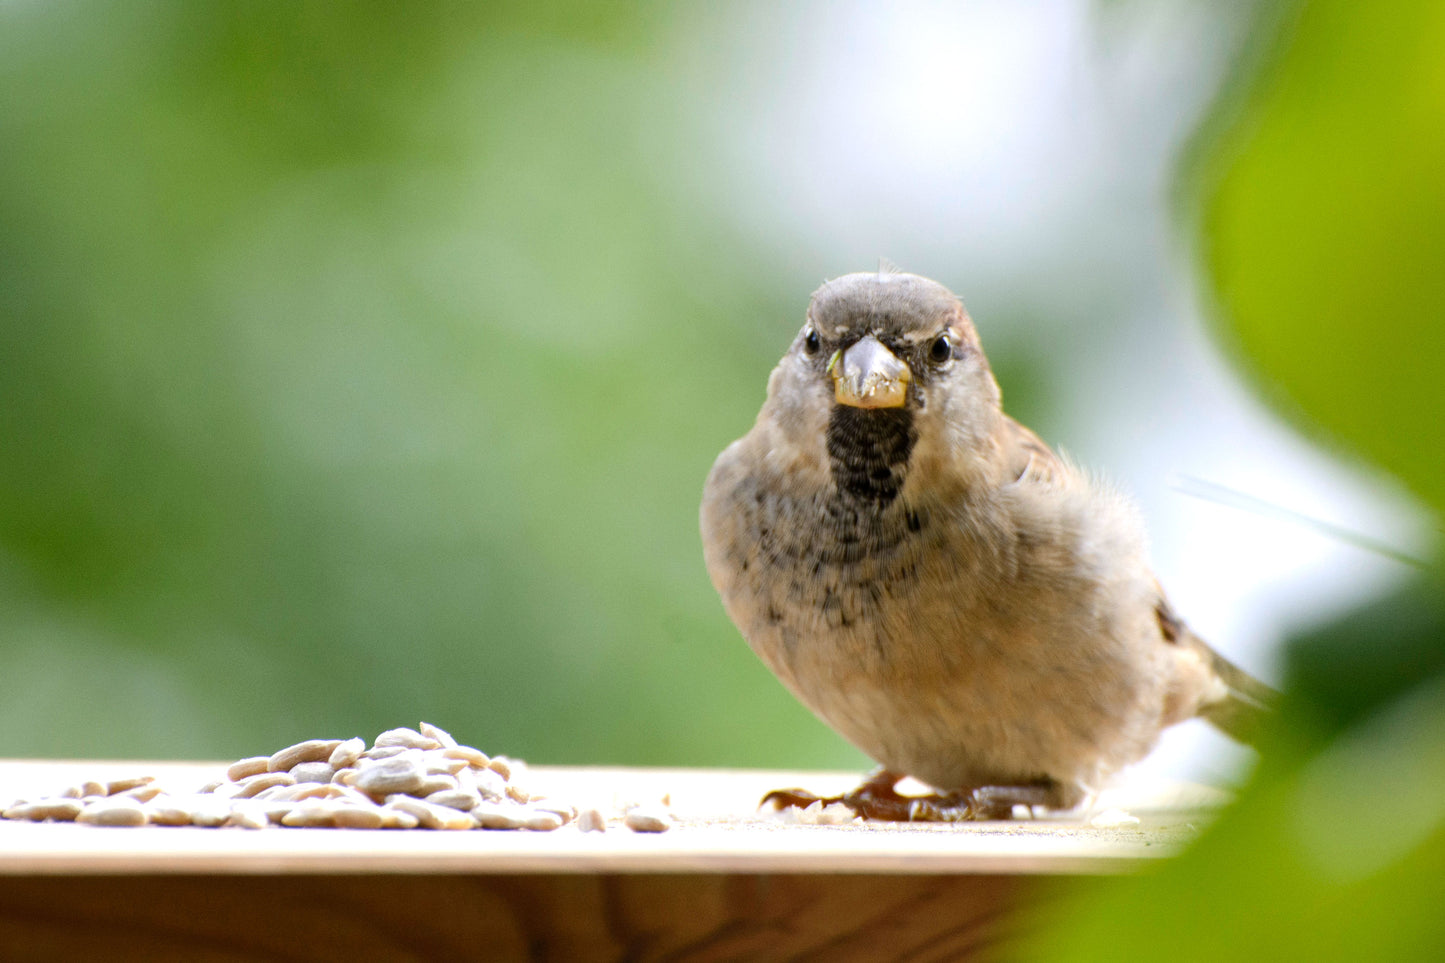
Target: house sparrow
928,577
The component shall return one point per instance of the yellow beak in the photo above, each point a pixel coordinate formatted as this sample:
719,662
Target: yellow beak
868,375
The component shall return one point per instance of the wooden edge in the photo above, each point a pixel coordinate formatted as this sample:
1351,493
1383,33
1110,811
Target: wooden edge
717,831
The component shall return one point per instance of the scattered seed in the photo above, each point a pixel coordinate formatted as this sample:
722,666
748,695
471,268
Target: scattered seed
312,750
439,734
350,815
60,809
407,739
434,783
473,757
248,817
312,772
542,820
347,753
384,752
396,819
314,813
425,777
591,821
429,816
489,783
495,816
641,819
121,785
455,799
565,813
120,811
143,793
165,810
402,774
444,765
254,784
250,766
210,811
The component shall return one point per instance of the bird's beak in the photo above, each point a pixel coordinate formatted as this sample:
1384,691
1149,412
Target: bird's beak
868,375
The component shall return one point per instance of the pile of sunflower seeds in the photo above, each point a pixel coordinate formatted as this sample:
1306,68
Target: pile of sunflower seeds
407,778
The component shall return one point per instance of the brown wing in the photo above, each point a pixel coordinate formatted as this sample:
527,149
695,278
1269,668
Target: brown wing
1026,456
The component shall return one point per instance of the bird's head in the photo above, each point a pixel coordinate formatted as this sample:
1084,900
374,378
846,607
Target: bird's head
886,350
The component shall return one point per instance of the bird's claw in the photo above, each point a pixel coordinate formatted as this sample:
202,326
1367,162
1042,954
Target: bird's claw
877,800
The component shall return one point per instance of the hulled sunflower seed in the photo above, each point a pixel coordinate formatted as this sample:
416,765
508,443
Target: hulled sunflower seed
406,738
473,757
381,779
121,785
314,813
455,799
312,750
641,819
542,820
58,809
443,737
254,784
312,772
429,816
498,816
353,815
250,766
118,811
347,753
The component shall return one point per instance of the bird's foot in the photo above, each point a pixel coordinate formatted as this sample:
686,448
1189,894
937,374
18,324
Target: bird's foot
877,799
874,799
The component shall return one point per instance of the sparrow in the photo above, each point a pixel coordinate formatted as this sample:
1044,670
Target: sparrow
959,602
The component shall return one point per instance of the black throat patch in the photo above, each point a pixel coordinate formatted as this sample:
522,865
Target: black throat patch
869,451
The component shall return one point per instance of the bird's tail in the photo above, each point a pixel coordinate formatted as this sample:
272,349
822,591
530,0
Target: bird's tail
1247,703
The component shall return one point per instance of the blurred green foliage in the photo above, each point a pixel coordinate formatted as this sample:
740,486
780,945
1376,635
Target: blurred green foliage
1323,192
363,365
1325,233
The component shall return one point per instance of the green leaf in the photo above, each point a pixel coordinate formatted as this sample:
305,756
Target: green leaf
1325,232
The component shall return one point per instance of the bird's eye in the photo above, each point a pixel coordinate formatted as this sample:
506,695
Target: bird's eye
811,344
941,349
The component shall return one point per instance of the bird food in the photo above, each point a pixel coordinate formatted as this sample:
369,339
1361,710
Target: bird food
406,779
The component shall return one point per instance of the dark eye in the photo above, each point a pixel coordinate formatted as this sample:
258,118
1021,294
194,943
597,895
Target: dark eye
941,349
811,344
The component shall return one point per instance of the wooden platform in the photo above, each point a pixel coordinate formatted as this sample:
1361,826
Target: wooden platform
724,883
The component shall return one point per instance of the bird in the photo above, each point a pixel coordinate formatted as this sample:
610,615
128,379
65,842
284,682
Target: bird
938,586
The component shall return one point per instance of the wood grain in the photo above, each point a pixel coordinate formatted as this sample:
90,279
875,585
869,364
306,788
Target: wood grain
541,917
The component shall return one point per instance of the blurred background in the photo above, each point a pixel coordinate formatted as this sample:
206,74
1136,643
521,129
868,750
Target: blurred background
362,365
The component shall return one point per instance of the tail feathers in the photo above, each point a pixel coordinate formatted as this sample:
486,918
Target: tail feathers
1246,703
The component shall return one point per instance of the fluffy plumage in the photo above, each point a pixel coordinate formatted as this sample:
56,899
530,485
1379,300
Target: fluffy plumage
932,581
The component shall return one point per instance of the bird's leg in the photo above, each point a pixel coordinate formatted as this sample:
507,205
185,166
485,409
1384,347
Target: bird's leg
877,799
